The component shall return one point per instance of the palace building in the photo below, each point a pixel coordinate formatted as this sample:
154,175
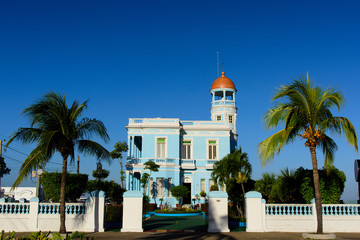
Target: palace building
185,150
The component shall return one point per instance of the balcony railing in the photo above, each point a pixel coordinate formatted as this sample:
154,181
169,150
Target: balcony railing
188,164
210,164
165,161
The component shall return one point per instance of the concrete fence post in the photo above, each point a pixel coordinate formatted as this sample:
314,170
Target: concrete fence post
218,212
33,213
255,212
314,214
132,211
94,211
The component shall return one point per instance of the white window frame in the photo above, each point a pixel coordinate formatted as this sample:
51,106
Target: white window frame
160,188
218,118
217,148
231,119
191,148
202,184
156,149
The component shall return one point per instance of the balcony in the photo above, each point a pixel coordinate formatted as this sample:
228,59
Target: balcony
134,161
188,164
210,164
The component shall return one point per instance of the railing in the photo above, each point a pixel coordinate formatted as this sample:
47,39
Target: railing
288,209
14,208
222,102
153,120
54,208
157,160
187,161
201,123
340,209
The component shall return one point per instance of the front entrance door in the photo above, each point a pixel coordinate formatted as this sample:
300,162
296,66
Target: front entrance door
187,199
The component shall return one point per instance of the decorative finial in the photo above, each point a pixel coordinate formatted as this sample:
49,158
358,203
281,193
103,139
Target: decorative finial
223,74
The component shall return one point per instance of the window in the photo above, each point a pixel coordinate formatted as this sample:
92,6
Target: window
151,183
186,149
218,118
211,182
160,147
169,186
160,187
202,185
230,119
212,145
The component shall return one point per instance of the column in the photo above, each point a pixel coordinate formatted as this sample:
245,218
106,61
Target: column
132,211
255,212
33,213
218,212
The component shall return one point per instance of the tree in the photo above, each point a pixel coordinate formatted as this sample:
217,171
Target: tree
179,192
265,186
4,170
152,167
234,166
120,147
56,127
305,112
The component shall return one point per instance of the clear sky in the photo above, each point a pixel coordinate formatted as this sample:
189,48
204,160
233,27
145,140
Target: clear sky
158,59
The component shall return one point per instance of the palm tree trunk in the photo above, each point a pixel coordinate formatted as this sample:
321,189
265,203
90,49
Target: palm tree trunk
243,189
317,191
62,195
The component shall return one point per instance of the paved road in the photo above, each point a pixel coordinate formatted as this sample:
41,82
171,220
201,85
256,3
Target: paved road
209,236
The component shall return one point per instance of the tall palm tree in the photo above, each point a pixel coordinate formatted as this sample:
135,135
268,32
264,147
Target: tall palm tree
56,127
305,111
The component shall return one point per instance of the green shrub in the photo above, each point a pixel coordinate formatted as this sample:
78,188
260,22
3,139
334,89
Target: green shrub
114,192
75,185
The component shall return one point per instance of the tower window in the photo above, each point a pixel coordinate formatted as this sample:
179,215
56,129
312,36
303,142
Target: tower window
212,149
230,119
218,118
186,149
160,147
229,96
219,95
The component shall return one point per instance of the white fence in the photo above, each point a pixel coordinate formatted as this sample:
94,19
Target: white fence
262,217
36,216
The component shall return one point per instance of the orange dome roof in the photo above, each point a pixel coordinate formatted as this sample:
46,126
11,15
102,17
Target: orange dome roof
223,82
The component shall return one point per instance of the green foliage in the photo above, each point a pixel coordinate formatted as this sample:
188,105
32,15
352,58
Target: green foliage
114,192
203,193
42,236
4,170
179,191
119,148
230,166
75,185
100,174
236,194
265,186
332,184
152,166
144,180
298,186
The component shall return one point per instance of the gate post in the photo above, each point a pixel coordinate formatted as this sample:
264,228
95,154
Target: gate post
132,211
255,212
218,212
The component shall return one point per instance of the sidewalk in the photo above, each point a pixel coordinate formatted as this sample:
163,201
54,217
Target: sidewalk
209,236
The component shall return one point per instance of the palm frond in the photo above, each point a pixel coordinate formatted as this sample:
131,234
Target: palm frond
94,149
328,147
88,127
273,144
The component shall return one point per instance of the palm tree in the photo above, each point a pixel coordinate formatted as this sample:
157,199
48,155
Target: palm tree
117,153
306,113
235,166
55,127
152,167
265,186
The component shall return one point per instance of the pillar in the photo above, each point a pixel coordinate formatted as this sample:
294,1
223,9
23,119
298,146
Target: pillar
255,212
218,212
33,213
132,211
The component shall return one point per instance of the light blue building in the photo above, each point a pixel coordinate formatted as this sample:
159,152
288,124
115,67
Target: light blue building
185,150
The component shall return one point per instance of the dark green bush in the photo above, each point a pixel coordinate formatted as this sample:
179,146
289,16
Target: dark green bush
114,192
75,185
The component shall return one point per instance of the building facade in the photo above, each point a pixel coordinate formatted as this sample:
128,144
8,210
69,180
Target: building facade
185,150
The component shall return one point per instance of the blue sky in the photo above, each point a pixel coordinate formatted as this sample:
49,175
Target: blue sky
158,58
